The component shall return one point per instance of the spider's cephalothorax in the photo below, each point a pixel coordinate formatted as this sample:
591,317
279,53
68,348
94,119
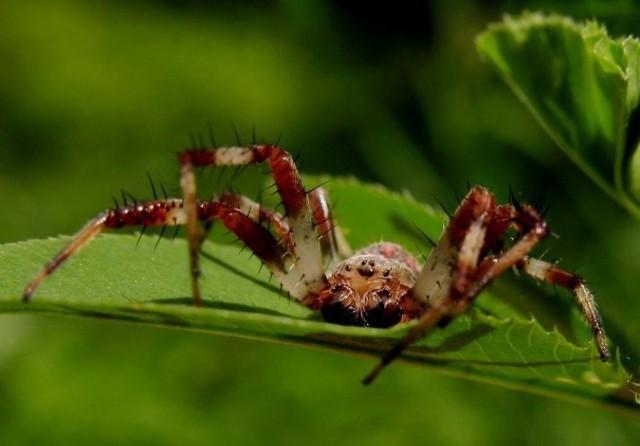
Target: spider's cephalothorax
379,286
369,288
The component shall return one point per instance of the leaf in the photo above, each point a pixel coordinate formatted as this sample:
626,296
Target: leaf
491,343
582,86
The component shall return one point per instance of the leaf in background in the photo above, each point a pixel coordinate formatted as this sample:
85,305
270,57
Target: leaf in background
582,86
491,343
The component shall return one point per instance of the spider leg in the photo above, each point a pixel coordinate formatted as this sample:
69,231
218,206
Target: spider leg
259,214
452,262
79,241
458,299
307,252
549,272
470,278
171,212
448,271
166,212
528,222
333,245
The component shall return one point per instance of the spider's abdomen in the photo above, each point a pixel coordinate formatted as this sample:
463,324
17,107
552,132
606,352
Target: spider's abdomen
367,289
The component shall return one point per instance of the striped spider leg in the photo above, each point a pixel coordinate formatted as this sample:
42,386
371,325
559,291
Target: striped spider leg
470,255
299,268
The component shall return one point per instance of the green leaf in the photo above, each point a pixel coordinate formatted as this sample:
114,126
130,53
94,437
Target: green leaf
491,343
581,85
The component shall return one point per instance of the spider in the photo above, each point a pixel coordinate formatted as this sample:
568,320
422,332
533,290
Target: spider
378,286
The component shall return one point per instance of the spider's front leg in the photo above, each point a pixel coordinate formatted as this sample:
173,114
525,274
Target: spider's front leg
450,268
462,265
298,212
526,221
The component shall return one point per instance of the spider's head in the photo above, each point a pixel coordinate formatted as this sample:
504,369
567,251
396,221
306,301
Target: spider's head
366,290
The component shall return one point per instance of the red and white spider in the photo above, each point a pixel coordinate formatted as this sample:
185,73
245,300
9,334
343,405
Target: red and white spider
379,286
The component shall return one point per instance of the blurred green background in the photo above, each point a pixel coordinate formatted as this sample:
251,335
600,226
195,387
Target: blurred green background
94,94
